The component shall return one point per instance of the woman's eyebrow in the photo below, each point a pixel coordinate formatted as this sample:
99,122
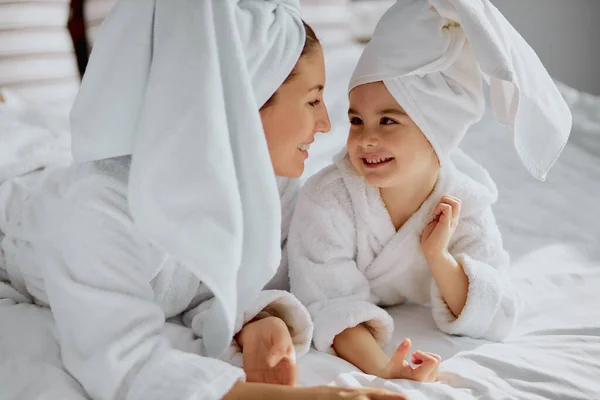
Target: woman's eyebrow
317,87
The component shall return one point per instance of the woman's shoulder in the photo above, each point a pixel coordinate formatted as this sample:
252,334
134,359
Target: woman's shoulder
70,198
89,180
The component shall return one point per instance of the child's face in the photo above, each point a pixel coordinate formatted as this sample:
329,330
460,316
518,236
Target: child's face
385,146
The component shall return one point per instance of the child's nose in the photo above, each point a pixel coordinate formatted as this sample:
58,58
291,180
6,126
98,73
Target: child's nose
368,139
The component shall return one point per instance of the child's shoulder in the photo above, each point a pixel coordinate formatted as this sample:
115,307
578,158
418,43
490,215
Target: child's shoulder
470,182
327,186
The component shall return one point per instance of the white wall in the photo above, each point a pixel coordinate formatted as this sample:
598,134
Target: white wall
564,33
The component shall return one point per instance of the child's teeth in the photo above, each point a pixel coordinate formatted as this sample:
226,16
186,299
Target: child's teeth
376,161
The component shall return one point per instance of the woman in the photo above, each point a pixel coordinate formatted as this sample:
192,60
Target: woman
172,206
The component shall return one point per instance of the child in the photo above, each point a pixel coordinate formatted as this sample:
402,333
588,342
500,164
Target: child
396,218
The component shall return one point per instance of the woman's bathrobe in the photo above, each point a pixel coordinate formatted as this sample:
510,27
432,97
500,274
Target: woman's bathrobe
71,245
347,260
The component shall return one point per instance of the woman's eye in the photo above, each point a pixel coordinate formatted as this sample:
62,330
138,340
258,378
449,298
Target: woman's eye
387,121
355,121
314,103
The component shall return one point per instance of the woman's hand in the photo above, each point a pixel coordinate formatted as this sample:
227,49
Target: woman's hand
268,352
252,391
436,236
426,370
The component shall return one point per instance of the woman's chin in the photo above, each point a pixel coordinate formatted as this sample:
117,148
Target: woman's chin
291,171
297,172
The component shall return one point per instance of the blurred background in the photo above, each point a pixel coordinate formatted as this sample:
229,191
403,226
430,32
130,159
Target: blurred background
44,47
44,43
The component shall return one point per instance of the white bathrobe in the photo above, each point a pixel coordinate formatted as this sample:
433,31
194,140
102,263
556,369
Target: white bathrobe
70,236
347,260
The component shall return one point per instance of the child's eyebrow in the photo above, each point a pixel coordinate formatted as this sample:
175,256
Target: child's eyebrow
393,111
382,112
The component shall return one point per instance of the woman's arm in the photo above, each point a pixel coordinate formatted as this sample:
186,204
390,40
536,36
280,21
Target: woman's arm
97,279
252,391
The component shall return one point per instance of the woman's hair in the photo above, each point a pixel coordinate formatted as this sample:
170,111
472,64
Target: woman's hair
311,45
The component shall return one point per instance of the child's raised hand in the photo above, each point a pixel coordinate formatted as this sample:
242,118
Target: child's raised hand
426,365
436,235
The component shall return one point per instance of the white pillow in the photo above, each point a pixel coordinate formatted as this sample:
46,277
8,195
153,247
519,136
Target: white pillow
32,136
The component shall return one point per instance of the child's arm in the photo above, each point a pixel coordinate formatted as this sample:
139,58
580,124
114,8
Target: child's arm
472,294
325,277
357,346
323,273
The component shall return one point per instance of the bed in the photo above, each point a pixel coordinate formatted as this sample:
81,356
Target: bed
551,229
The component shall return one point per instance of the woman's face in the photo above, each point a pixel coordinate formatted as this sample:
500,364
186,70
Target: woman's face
296,115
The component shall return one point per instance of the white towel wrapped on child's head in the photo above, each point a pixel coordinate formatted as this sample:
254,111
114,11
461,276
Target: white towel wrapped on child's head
433,56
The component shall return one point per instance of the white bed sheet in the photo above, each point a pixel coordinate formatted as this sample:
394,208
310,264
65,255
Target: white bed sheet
556,351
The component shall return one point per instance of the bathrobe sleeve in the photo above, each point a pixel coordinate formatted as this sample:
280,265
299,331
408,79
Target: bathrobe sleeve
492,303
111,332
323,271
289,189
276,303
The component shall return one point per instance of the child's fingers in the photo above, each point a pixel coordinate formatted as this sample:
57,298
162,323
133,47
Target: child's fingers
436,356
446,213
454,203
402,351
437,211
428,367
416,361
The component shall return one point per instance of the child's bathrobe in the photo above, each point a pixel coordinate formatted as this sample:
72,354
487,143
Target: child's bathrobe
347,260
70,242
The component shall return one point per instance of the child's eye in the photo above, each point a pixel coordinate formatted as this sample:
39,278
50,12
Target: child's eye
313,104
387,121
355,121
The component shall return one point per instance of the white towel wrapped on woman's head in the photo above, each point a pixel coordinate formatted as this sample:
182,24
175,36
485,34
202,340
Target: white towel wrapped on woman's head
178,86
433,55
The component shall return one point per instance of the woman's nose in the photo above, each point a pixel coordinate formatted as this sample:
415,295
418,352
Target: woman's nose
323,123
